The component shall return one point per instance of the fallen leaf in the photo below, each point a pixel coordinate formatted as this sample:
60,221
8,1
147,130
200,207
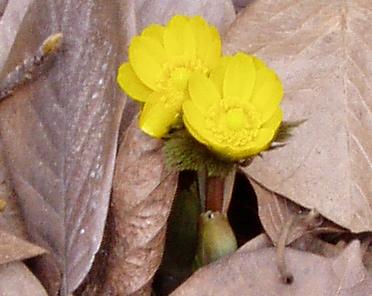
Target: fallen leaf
16,279
13,248
10,23
218,12
260,241
60,134
274,211
3,4
142,198
256,273
321,50
240,4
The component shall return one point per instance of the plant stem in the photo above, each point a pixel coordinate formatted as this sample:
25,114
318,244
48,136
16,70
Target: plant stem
214,194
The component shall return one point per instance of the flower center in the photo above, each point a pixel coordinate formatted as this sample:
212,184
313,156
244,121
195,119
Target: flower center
176,73
235,118
179,77
234,124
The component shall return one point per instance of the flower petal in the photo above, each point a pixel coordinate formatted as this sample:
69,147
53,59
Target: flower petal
240,77
154,31
263,140
207,41
203,92
194,122
275,120
130,83
217,75
146,56
179,40
267,93
258,63
158,116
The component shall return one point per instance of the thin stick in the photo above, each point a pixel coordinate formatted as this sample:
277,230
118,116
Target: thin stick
25,72
285,275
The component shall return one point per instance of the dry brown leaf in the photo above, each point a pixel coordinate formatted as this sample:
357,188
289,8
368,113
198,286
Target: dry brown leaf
218,12
13,248
9,25
274,211
255,273
256,243
322,52
240,4
16,279
142,198
3,4
60,133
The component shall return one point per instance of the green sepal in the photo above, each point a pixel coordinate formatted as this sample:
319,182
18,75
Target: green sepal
182,152
284,133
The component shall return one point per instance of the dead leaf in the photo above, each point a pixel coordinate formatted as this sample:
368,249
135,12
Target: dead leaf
16,279
240,4
60,133
274,211
13,248
142,198
218,12
3,4
256,273
321,50
256,243
10,22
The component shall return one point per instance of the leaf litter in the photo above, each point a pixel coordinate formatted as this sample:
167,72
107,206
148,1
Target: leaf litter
290,49
60,132
320,50
255,273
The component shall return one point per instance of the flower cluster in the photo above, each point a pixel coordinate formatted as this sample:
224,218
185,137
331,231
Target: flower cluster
230,104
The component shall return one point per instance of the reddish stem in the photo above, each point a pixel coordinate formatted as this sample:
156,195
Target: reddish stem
214,193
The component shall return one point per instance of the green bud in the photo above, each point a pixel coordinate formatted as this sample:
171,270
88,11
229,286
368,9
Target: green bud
216,238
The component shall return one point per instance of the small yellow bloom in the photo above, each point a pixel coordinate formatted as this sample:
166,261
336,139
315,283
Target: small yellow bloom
161,60
235,112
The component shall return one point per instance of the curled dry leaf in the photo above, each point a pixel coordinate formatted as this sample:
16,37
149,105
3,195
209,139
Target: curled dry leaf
142,198
322,52
60,133
256,273
274,211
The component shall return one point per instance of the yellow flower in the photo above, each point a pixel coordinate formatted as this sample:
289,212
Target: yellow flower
161,60
235,112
